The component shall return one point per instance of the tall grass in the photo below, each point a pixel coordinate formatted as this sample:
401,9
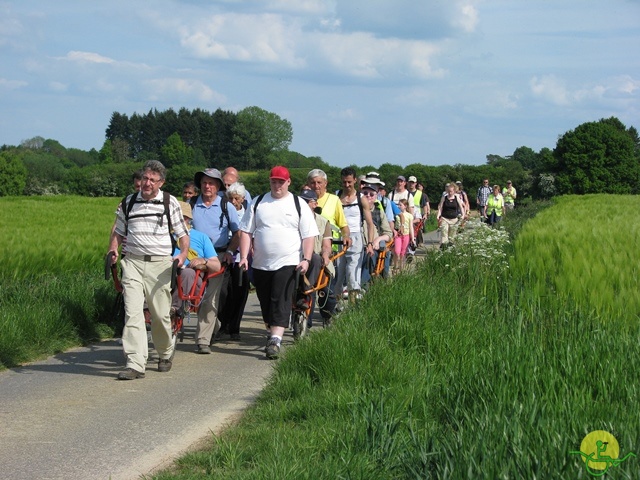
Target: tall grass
52,289
585,252
459,370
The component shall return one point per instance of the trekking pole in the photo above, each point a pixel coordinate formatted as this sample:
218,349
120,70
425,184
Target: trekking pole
174,274
242,270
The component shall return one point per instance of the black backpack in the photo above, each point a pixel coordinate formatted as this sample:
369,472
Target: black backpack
127,207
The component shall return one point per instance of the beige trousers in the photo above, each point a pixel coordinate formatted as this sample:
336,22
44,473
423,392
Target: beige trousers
448,229
208,323
151,281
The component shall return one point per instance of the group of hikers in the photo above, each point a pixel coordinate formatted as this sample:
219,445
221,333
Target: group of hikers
262,241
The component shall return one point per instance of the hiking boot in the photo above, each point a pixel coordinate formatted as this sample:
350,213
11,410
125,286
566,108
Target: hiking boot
130,374
164,365
273,349
204,349
268,342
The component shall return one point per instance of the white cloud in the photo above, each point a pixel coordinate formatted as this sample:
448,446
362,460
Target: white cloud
346,114
550,88
310,7
467,17
58,86
626,84
87,57
556,91
282,41
166,89
265,38
12,84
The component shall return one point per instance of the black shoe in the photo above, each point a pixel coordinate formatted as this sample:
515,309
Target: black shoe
130,374
164,365
235,337
273,349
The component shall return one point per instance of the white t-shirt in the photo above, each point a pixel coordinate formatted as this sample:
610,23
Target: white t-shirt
352,214
277,231
397,196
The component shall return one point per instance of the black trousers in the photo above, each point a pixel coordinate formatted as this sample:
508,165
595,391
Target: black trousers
236,299
275,292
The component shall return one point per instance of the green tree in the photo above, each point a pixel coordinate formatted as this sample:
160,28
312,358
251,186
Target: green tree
13,174
597,157
527,157
175,152
277,132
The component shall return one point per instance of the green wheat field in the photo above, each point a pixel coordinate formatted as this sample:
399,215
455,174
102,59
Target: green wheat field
493,359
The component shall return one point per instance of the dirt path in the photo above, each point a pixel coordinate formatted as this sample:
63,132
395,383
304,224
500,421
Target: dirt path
68,417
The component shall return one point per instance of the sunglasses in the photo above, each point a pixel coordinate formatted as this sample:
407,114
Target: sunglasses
369,194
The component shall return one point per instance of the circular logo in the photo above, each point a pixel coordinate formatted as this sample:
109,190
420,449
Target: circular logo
599,445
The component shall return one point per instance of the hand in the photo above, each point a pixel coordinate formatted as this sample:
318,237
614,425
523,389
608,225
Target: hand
198,264
346,241
244,264
303,266
181,258
227,258
114,256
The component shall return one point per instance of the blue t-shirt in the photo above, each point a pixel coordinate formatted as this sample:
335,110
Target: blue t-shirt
199,243
212,222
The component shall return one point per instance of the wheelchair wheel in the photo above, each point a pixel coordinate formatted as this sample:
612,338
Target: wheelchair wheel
300,327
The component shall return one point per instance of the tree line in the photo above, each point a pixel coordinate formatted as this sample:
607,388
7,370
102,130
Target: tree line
596,157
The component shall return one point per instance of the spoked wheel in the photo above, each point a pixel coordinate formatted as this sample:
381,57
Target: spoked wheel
300,327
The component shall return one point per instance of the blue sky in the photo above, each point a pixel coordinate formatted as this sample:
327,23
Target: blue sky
361,81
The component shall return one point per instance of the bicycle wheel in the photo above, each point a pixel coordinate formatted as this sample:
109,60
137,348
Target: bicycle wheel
300,327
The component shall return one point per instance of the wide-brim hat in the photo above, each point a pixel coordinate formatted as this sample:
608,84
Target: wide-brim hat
373,180
186,209
371,186
209,172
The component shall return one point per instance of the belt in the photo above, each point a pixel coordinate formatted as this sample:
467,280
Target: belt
221,249
149,258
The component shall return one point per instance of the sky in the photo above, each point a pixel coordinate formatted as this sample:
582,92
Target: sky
362,82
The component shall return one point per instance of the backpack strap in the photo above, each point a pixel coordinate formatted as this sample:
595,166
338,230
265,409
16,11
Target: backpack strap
296,201
166,201
223,208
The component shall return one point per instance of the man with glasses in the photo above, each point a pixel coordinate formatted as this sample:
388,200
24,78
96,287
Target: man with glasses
481,198
146,224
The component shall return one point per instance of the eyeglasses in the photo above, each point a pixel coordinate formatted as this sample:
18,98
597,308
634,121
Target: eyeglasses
152,181
369,194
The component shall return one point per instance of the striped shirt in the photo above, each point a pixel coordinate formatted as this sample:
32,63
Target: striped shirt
148,228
